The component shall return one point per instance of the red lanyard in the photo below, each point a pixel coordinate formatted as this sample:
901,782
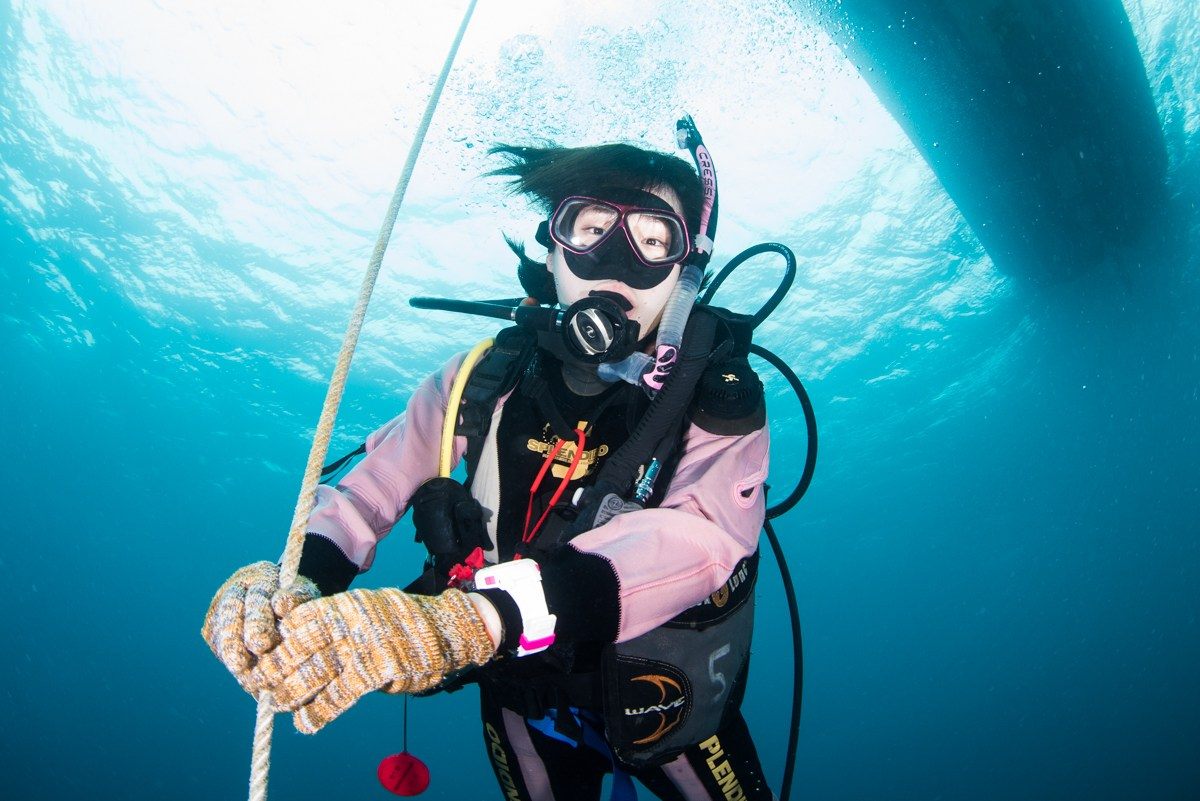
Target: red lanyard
529,534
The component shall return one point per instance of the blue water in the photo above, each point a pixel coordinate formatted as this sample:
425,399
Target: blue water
997,562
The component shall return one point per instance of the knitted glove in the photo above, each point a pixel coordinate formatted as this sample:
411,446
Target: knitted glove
337,649
241,622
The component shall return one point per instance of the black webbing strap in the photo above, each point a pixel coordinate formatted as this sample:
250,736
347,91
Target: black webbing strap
495,374
335,466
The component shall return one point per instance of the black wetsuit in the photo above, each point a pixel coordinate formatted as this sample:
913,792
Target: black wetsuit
543,714
543,724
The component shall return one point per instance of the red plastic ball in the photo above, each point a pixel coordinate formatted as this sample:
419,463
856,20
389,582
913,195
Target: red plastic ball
403,774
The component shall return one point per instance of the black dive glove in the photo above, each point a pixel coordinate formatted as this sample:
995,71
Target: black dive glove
450,524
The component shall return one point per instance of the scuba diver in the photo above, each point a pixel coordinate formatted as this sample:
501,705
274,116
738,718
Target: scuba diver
594,572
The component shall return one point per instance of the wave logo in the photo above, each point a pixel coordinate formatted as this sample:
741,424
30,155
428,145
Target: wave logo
662,706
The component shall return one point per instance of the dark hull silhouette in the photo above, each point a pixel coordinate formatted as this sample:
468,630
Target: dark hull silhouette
1036,116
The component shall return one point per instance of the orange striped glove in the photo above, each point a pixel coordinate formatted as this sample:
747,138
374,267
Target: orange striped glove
337,649
240,625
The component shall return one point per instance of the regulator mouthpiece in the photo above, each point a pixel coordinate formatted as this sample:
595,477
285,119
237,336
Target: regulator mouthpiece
596,330
592,330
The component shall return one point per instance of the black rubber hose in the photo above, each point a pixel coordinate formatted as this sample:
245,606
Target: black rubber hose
789,275
477,307
810,422
789,590
668,406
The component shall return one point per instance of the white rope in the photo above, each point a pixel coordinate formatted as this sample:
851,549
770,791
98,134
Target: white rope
260,763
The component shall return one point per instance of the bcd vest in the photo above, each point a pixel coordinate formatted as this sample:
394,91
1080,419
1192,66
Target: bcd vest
660,692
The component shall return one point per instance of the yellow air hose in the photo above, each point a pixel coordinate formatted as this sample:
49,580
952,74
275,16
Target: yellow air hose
264,725
455,399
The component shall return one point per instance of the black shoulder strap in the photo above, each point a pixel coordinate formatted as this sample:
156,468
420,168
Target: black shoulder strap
734,332
495,374
713,334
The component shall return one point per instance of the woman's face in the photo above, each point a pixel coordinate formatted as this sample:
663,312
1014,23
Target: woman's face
643,305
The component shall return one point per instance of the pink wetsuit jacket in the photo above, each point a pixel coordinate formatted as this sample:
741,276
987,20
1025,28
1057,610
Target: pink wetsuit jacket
665,559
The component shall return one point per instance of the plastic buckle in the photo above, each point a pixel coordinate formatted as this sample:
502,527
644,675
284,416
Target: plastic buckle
522,580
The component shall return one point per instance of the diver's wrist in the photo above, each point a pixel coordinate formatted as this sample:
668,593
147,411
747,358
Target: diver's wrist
515,590
492,621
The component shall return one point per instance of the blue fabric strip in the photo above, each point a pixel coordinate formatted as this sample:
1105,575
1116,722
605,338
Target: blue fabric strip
589,723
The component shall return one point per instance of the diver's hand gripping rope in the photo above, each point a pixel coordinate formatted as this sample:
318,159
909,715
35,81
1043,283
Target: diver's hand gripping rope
260,763
336,650
241,623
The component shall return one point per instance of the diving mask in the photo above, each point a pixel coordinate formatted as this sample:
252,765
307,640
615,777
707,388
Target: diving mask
653,238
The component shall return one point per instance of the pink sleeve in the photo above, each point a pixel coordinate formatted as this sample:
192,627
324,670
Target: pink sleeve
401,456
668,559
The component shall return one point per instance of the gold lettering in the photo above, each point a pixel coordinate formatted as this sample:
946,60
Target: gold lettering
723,773
501,759
587,462
562,462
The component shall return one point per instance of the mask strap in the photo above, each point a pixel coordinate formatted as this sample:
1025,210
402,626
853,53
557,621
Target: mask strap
542,237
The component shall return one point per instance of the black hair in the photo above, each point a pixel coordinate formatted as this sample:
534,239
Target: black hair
534,277
549,174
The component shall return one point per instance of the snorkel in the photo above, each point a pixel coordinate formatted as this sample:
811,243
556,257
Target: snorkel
642,368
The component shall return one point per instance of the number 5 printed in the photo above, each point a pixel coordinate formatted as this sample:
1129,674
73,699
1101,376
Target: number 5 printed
717,678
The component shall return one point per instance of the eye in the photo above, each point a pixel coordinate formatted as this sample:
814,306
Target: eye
653,235
590,224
